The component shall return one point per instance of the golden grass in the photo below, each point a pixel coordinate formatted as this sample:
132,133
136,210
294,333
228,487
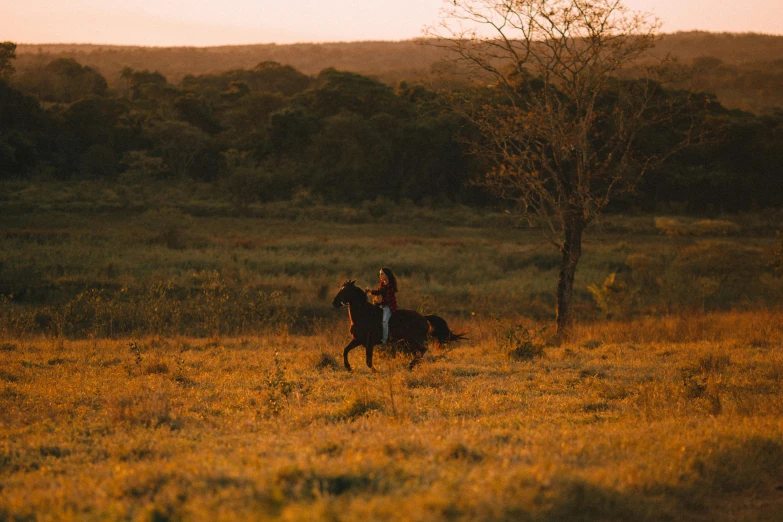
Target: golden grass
676,418
668,417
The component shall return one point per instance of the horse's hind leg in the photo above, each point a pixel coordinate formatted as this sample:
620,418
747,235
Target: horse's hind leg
353,344
418,350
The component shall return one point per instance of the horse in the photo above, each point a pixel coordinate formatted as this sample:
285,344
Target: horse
408,326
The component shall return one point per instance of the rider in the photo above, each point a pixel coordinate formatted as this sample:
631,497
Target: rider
387,290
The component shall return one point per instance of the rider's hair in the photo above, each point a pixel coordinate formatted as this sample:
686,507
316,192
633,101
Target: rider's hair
392,279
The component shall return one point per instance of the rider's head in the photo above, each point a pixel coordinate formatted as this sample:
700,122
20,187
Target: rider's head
387,276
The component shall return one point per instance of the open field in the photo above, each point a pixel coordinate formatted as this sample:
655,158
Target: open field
103,260
163,357
622,423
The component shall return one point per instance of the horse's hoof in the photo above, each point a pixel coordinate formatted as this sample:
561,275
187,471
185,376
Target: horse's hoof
348,368
373,370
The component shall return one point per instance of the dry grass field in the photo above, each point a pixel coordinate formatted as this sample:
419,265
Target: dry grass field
658,419
186,365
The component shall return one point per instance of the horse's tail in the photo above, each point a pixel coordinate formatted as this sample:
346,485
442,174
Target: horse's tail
440,331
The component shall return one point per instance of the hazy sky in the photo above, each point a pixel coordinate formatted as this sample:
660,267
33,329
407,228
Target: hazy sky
211,22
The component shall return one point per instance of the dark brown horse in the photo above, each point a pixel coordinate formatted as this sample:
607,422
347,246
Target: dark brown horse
407,326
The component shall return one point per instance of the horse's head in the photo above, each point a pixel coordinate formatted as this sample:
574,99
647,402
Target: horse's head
349,293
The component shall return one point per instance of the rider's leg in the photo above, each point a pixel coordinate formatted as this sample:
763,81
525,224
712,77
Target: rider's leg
386,315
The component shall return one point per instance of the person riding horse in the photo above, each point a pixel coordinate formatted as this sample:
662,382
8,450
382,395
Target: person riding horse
407,326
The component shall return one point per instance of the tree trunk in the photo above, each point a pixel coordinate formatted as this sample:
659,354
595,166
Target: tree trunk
571,250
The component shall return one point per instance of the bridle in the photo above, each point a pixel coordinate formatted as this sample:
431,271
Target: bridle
346,304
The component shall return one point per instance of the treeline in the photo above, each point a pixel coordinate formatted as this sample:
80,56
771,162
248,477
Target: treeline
259,134
750,76
272,132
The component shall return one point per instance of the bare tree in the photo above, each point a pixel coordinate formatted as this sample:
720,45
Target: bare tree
559,127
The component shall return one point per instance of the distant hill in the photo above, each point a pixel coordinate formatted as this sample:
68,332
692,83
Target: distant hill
385,60
747,72
732,48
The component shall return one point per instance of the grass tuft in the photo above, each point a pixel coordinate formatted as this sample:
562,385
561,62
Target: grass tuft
8,377
459,451
358,407
327,361
307,484
157,367
592,344
146,407
714,363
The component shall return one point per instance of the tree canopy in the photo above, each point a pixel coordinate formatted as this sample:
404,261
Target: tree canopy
339,136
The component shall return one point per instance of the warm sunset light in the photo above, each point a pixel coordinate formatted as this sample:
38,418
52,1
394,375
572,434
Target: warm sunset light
400,260
206,23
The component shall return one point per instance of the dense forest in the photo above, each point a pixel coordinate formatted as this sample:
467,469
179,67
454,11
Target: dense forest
345,122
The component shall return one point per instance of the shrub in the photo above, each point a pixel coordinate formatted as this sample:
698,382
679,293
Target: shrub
521,343
278,387
613,297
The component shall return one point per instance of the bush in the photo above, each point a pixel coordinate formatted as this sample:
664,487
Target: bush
519,342
613,297
708,275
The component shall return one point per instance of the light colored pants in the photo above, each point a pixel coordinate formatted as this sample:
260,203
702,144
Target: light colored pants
386,315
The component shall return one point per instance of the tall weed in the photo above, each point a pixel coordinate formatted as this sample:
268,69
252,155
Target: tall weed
213,305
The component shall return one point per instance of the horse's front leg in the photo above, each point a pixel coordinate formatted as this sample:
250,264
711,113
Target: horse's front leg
353,344
370,347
